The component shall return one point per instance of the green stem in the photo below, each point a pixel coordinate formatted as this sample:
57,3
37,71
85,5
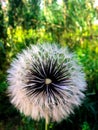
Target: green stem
46,122
46,125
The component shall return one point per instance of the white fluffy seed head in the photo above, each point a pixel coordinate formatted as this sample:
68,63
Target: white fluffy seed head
45,80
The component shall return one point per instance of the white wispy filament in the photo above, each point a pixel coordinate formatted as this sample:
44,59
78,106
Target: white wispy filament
46,80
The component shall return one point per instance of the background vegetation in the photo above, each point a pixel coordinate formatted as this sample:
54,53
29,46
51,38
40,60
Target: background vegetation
72,23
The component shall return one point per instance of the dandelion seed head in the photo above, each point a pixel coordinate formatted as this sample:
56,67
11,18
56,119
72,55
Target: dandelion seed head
46,80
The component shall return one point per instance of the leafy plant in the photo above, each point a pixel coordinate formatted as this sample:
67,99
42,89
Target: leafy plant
85,126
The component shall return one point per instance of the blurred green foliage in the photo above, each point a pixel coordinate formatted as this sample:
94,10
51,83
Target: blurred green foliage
25,22
85,126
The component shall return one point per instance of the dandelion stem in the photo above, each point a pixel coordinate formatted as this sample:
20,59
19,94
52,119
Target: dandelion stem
46,126
46,123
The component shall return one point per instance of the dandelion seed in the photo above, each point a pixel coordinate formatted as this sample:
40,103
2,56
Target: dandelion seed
46,81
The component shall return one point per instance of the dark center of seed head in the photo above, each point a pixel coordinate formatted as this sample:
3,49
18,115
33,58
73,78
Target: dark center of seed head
48,81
